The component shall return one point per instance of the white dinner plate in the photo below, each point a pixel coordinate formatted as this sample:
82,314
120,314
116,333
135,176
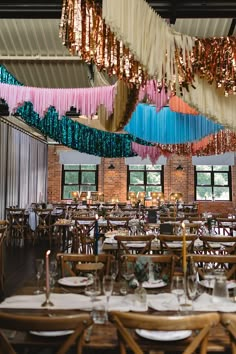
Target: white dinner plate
165,336
51,333
75,281
210,285
159,283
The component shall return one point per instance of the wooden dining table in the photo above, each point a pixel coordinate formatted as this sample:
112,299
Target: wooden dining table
103,337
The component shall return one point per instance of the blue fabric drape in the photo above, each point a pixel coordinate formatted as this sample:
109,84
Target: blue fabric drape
168,127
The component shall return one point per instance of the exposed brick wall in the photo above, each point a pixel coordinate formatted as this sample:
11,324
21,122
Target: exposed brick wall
113,183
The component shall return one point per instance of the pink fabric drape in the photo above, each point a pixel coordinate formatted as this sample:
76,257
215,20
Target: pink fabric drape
178,105
154,93
87,100
153,152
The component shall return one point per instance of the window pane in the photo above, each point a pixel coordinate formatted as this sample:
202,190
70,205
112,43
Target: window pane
137,167
136,189
67,191
203,178
86,188
136,178
153,177
203,168
150,189
203,193
153,167
88,167
71,167
221,193
88,177
220,168
221,179
71,177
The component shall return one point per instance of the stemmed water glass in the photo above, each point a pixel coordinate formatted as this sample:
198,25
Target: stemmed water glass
209,275
93,288
178,287
107,282
192,286
39,264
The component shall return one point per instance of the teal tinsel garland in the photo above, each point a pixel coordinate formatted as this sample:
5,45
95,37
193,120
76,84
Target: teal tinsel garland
74,134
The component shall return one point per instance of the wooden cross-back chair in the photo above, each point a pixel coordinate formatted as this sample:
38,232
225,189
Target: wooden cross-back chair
204,261
225,226
126,323
76,323
44,228
18,226
228,320
82,242
114,223
166,263
218,244
167,240
72,264
131,244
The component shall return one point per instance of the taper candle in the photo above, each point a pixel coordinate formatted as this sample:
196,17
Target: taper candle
47,272
184,249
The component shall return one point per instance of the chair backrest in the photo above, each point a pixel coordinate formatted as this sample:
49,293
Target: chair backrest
134,244
226,262
44,217
76,323
226,244
114,223
199,324
68,262
228,320
16,217
164,264
167,241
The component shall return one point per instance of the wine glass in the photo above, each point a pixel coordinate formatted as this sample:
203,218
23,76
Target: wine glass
107,282
209,275
93,288
177,287
192,286
39,263
114,271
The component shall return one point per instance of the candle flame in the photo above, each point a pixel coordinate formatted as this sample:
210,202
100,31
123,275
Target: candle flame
183,225
48,252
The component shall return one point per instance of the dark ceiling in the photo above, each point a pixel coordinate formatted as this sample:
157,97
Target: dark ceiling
167,9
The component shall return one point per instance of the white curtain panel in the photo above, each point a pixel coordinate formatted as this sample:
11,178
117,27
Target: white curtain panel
23,169
3,167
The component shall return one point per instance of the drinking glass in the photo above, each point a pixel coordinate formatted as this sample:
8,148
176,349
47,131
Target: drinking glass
107,282
177,287
209,275
39,264
93,288
127,270
192,286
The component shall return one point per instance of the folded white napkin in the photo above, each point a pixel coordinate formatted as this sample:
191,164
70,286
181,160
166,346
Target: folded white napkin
60,301
163,302
206,302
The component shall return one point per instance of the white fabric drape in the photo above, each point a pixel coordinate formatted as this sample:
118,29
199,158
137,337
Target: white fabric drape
150,39
23,169
211,101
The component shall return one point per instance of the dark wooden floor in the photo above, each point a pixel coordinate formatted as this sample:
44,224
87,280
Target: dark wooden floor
19,264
